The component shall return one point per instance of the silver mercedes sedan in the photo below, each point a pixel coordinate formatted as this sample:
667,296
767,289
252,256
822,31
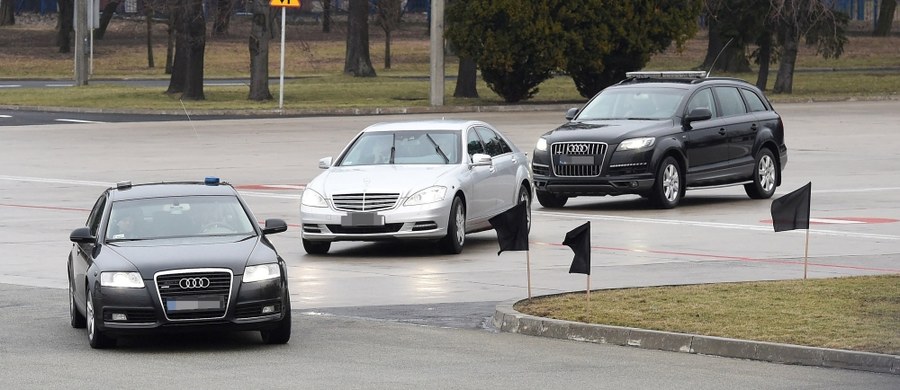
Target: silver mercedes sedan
431,180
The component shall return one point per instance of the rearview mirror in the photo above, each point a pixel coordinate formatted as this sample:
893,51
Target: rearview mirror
571,113
82,235
325,163
274,225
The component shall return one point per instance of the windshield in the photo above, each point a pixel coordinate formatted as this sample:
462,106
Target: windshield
184,216
633,103
404,147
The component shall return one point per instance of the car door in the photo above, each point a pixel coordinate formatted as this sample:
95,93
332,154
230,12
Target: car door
83,254
741,125
706,145
480,200
765,119
504,164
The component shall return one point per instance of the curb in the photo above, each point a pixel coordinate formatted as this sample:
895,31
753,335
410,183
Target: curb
507,319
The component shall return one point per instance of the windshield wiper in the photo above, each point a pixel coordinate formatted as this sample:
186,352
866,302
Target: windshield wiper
437,148
393,147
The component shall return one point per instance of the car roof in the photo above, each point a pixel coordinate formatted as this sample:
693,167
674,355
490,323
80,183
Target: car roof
125,191
434,124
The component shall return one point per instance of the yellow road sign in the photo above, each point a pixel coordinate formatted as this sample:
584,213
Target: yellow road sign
285,3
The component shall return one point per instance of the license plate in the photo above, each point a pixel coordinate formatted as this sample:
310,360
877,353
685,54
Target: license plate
566,159
362,219
194,303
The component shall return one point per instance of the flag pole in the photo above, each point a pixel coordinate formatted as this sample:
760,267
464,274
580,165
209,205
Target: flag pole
806,254
588,287
528,270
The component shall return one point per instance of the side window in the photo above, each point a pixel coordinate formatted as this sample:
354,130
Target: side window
730,101
474,143
93,221
703,99
753,100
493,144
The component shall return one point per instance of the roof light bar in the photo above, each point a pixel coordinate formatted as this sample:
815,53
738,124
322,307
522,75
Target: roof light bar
687,74
123,185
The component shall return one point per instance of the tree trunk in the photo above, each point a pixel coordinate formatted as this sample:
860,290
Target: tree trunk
784,81
326,16
180,59
65,19
7,12
466,79
260,34
224,10
358,62
106,16
713,44
196,29
171,10
148,16
885,18
723,56
764,58
387,49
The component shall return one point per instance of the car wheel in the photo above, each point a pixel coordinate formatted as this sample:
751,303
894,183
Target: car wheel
456,228
316,247
525,197
764,176
551,201
281,334
96,338
668,187
77,319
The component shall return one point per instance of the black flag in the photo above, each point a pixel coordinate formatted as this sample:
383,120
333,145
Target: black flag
791,211
579,239
512,228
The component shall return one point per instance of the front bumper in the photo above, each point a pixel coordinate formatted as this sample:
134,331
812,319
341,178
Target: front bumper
620,184
428,221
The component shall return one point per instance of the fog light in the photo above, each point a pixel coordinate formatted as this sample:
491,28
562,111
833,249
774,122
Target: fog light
634,184
268,309
119,317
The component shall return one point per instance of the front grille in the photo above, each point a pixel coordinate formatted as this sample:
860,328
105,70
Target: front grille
365,201
386,228
567,158
181,301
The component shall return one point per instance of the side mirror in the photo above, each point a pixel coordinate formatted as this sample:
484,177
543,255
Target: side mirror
481,160
274,225
82,235
571,113
698,114
325,163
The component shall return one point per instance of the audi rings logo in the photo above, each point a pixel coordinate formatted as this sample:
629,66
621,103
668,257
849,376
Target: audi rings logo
193,283
576,148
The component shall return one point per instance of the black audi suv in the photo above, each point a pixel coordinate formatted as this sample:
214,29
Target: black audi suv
656,134
178,256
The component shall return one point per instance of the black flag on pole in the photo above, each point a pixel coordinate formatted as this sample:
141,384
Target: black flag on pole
791,211
579,239
512,228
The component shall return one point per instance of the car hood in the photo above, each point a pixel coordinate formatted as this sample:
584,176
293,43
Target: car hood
401,179
609,131
152,256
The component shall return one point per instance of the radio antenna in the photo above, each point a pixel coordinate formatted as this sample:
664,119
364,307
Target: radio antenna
711,67
189,119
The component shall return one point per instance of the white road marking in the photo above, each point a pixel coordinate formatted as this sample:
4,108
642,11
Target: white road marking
5,116
834,221
10,86
223,84
76,121
57,85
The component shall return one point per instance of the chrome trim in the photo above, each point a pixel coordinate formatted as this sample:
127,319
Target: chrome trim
578,148
194,270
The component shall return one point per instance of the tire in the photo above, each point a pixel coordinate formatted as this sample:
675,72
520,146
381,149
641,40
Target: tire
551,201
96,338
668,188
316,247
77,319
281,334
525,197
455,239
765,176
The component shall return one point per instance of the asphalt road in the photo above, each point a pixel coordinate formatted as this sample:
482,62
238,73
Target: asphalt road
360,310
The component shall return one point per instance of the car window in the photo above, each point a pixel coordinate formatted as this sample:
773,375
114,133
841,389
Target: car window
633,103
730,101
474,144
96,216
493,144
184,216
702,99
404,147
753,100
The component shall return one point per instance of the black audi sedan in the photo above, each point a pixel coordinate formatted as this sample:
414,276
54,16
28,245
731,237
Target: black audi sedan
657,134
177,256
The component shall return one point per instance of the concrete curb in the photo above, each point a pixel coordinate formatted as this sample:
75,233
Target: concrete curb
507,319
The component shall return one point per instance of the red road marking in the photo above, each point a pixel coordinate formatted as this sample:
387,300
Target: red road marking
843,220
23,206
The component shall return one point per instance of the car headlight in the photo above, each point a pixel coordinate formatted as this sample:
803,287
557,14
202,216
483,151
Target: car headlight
121,279
312,199
541,144
428,195
255,273
636,143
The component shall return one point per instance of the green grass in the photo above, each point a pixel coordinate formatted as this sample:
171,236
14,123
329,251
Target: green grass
853,313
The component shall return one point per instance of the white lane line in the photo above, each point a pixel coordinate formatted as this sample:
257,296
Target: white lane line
5,116
57,85
10,85
76,121
856,190
223,84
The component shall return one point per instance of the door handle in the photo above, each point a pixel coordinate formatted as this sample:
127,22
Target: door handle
722,131
753,127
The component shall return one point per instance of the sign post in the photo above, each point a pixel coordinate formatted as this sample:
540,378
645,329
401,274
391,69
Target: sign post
284,5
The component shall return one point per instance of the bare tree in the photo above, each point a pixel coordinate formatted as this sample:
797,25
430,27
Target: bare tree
811,19
389,15
107,15
224,9
7,12
358,62
261,32
171,7
326,16
64,24
190,44
885,18
148,18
